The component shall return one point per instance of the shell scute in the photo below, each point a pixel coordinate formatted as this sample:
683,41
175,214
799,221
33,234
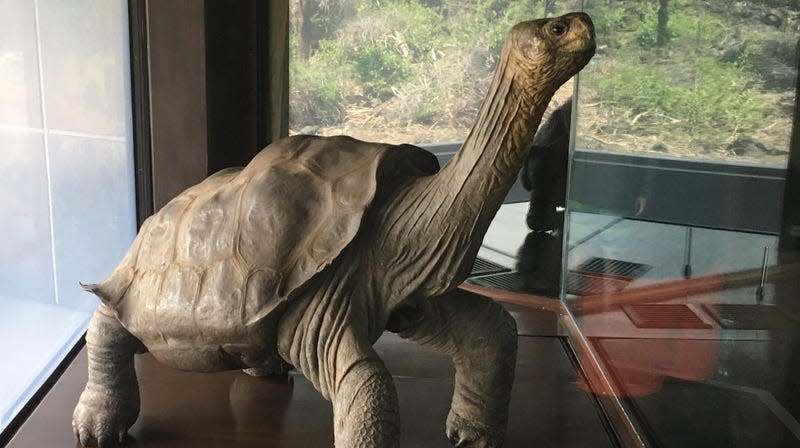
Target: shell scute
180,288
140,302
346,192
216,312
209,235
157,238
258,285
269,233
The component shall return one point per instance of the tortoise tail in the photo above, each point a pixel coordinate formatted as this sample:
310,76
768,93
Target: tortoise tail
98,290
112,289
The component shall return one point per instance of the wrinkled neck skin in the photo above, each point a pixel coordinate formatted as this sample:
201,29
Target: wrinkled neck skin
435,225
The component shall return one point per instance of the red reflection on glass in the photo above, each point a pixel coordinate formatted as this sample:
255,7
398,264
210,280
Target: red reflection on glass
637,359
639,366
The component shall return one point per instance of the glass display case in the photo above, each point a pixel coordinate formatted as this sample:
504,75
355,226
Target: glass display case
682,129
657,197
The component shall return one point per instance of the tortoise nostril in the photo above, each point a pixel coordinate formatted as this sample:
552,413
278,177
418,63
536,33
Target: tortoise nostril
583,20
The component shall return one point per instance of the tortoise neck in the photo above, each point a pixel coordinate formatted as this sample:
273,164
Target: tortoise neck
451,211
486,165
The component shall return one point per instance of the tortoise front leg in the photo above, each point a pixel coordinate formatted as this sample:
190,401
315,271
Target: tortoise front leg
365,412
109,404
337,357
481,338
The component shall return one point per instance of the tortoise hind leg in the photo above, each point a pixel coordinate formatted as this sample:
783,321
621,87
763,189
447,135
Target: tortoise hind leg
109,404
481,338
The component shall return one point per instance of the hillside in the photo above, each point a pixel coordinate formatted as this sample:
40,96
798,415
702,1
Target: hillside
710,79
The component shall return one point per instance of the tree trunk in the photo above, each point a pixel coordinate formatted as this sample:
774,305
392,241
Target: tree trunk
549,7
662,33
300,27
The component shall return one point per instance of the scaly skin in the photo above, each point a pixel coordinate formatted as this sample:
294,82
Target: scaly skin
365,412
481,338
327,337
109,404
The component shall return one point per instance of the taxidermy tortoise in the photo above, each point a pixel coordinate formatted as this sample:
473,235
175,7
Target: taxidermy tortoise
305,256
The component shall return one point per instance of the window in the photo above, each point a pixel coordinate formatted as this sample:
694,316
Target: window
684,119
689,79
66,178
398,71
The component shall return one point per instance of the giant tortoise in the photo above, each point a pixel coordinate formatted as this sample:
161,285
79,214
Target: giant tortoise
320,244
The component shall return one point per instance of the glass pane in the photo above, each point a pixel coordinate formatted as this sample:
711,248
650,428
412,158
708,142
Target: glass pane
692,79
683,122
27,259
19,65
66,178
83,54
85,197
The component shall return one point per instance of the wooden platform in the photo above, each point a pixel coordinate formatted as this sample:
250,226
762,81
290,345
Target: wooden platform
231,409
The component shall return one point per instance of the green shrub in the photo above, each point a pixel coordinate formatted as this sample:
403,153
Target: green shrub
496,17
379,69
646,27
637,87
724,97
696,27
428,111
316,87
418,29
608,21
713,97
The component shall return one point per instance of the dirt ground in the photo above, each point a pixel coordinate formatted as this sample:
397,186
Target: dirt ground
597,129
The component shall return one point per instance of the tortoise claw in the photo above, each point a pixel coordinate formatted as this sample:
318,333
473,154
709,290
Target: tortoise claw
83,436
104,441
455,438
464,433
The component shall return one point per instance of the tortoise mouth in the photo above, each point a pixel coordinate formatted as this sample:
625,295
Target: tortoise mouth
584,44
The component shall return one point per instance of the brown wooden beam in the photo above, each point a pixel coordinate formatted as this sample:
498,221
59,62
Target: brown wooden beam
177,60
215,76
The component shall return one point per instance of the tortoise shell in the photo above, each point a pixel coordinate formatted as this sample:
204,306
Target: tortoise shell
226,252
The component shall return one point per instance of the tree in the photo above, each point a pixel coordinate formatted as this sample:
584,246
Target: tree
662,33
301,11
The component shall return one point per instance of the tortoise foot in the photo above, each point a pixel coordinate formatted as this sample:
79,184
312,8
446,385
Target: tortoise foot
463,432
103,420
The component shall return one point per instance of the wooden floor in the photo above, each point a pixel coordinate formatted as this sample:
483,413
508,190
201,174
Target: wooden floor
231,409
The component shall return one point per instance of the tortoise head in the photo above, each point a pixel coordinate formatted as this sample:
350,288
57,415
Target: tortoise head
543,54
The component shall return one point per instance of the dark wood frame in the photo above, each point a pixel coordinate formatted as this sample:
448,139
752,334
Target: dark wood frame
140,92
210,89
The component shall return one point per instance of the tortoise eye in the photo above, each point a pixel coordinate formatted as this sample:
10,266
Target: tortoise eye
558,28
